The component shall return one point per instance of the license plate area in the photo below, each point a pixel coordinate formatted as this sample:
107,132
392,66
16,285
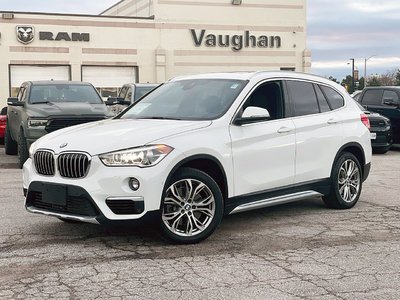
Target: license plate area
373,135
54,194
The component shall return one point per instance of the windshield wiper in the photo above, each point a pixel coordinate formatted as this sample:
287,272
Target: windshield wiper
43,102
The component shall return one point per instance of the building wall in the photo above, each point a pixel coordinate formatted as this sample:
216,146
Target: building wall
163,46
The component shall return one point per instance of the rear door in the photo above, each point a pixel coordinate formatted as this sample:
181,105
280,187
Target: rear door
318,130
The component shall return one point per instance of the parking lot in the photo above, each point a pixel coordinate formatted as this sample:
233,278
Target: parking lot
297,251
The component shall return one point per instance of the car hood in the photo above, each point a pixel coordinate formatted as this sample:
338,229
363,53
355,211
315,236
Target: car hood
67,108
114,134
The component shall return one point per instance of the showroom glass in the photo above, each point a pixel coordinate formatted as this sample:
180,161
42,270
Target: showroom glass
64,93
303,97
334,98
196,99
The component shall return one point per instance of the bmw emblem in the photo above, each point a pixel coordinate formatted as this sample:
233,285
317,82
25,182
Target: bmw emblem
63,145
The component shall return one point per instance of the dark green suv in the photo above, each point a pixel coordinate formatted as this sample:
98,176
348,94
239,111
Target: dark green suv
45,106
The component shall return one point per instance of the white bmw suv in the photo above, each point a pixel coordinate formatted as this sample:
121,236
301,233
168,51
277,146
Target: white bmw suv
203,146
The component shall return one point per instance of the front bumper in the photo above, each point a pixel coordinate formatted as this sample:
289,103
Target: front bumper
106,189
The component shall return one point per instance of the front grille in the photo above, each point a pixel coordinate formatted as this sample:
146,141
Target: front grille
75,205
125,207
73,165
55,124
44,162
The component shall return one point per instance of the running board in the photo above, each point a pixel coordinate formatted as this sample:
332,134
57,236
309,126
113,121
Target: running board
275,201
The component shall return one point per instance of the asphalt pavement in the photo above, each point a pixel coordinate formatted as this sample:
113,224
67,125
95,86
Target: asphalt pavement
301,250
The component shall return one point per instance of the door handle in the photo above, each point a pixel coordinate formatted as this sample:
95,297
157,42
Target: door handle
332,121
284,130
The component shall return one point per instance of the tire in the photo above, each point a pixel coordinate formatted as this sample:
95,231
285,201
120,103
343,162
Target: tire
341,182
69,221
23,151
190,219
9,144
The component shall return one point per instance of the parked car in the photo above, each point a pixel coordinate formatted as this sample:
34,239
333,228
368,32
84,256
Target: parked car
203,146
381,131
45,106
3,122
129,94
356,95
385,101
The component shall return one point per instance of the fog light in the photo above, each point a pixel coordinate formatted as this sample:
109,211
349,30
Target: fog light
134,184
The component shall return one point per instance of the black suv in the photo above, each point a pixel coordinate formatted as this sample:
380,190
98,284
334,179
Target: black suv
386,101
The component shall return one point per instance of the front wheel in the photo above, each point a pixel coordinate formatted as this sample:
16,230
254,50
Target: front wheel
9,144
192,207
23,151
346,182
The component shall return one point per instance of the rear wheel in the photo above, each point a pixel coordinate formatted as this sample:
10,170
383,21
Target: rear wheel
23,152
346,182
192,206
9,144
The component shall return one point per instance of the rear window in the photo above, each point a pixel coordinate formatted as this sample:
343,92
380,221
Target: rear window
334,98
323,104
372,97
64,93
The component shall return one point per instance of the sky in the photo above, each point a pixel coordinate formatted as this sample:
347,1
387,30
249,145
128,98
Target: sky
337,30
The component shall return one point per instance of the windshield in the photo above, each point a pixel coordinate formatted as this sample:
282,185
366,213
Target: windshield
63,93
196,99
141,91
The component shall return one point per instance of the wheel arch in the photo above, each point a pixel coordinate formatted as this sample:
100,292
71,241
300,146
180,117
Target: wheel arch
209,165
354,148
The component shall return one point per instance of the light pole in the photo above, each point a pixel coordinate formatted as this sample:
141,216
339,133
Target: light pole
365,69
352,74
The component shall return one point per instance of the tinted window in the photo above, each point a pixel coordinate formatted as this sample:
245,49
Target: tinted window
323,104
303,98
195,99
64,93
373,97
334,98
143,90
391,95
268,96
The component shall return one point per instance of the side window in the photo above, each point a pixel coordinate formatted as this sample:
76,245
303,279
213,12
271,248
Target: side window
269,96
128,96
122,93
372,97
303,98
323,103
334,98
21,94
391,95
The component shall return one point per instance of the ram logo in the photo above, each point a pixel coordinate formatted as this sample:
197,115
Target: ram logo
25,34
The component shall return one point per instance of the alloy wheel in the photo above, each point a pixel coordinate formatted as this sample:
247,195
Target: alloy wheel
349,180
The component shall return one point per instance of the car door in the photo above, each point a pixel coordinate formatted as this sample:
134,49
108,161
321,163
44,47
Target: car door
15,114
318,130
372,99
392,111
264,152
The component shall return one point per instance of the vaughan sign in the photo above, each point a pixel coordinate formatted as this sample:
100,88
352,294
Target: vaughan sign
236,42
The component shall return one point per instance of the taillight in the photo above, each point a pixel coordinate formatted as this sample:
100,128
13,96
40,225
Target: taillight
3,120
365,121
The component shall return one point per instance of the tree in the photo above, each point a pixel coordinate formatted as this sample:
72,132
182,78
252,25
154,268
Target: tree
348,82
398,77
361,84
373,81
333,79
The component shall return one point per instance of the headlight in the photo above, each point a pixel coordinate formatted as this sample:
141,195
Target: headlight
141,157
37,123
31,150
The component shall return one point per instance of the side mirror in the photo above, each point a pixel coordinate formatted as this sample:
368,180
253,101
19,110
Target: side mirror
15,102
390,101
253,114
116,100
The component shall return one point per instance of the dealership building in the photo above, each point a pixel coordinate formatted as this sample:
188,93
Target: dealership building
152,41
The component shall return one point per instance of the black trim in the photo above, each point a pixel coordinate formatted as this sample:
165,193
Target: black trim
366,169
192,158
321,186
352,144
